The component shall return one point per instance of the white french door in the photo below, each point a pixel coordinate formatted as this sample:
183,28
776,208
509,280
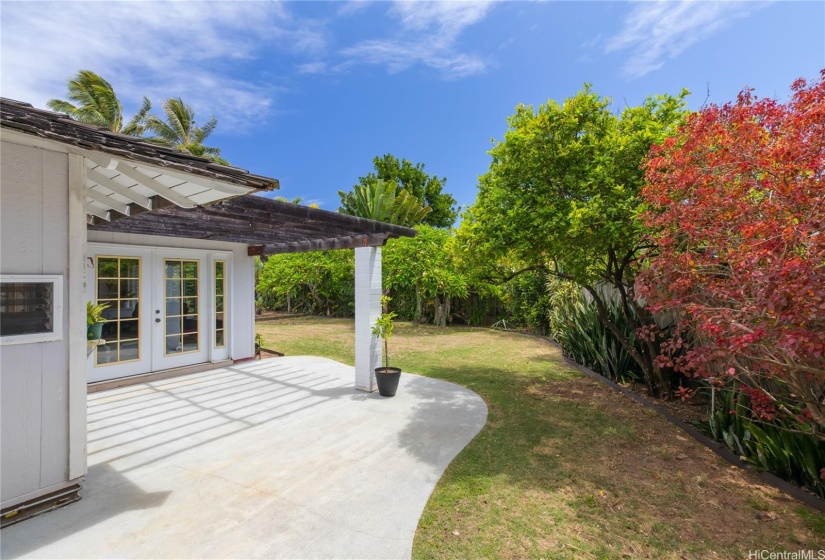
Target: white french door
167,308
180,326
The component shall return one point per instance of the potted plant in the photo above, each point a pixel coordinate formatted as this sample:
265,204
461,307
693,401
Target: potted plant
259,342
95,320
387,377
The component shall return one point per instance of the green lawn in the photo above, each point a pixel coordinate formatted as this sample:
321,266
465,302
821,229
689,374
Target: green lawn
566,467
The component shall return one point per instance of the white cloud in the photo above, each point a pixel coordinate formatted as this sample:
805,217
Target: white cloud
428,35
662,30
353,6
158,49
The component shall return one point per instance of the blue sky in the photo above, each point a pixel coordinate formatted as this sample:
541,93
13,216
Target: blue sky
310,92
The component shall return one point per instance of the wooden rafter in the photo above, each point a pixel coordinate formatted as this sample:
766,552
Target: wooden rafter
95,176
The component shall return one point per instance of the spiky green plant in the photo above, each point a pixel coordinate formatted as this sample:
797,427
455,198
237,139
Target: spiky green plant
787,450
574,323
385,203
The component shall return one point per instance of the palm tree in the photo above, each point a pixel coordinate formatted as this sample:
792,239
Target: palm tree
180,131
92,100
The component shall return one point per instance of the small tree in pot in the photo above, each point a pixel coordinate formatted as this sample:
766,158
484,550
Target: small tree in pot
387,377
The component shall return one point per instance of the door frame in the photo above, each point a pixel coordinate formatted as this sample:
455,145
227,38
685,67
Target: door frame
160,360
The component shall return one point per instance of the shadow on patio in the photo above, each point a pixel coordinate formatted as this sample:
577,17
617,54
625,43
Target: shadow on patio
275,458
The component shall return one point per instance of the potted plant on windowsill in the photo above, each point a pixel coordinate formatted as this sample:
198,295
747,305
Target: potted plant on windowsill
387,377
95,320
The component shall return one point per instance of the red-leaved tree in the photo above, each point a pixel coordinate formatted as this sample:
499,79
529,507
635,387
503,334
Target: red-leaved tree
736,201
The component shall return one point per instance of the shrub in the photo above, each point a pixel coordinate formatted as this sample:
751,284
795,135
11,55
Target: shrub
737,204
790,451
575,324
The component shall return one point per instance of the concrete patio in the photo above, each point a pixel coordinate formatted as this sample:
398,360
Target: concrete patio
278,458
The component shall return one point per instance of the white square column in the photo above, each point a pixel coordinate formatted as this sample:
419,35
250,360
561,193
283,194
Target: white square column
367,309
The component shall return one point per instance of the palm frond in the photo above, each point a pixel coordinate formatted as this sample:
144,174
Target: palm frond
91,99
136,126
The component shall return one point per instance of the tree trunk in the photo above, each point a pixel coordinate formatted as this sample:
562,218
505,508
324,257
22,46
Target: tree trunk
442,310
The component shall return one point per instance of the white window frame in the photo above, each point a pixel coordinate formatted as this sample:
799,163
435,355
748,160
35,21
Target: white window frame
57,310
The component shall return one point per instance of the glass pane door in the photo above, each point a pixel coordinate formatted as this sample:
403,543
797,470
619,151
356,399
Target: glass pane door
182,322
118,289
120,278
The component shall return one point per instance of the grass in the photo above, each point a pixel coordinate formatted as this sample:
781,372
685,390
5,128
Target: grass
566,467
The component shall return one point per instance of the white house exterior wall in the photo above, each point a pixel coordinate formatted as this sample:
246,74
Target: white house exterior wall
37,198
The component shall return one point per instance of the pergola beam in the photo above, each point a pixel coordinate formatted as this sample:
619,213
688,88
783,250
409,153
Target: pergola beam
153,185
212,184
94,176
98,212
107,201
346,242
305,214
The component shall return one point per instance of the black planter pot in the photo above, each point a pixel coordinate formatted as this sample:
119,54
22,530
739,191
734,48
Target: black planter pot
387,378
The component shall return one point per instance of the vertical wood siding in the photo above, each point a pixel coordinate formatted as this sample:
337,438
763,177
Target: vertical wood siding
34,378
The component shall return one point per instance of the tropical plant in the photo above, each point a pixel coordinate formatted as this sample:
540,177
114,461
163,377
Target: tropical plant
385,203
319,282
404,175
425,265
574,323
180,131
737,204
791,452
383,328
527,299
562,196
92,100
94,313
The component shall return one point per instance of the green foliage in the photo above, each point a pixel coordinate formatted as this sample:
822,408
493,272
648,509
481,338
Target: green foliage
564,183
420,273
574,323
424,268
92,100
180,131
563,193
320,283
383,202
403,175
384,326
94,313
790,450
528,300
